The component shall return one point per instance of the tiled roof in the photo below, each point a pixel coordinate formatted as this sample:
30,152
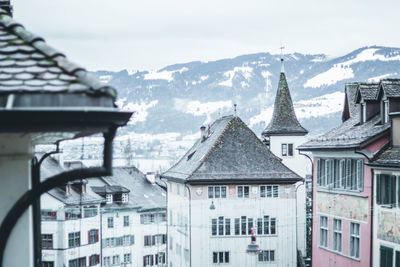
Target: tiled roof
29,65
391,87
389,158
51,167
350,109
231,152
143,194
350,134
284,120
108,189
368,91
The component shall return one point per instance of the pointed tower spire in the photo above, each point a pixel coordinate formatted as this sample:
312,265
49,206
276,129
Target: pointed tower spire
284,120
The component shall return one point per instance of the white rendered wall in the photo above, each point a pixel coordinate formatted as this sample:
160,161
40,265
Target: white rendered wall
16,152
301,165
178,234
202,241
61,254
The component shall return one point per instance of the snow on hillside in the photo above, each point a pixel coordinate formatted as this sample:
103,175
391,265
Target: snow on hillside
343,70
140,109
246,71
315,107
163,75
197,108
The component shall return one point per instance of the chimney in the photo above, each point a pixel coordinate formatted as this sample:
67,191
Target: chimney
151,177
202,133
395,129
6,5
68,189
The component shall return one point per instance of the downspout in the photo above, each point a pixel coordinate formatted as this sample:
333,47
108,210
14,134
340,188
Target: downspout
190,224
33,194
166,203
36,210
312,201
297,187
372,207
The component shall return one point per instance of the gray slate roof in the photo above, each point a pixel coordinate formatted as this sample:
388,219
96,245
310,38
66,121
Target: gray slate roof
350,109
109,189
367,91
284,120
29,65
231,153
143,194
51,167
391,87
350,134
389,158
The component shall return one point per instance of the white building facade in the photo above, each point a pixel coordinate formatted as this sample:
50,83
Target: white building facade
225,185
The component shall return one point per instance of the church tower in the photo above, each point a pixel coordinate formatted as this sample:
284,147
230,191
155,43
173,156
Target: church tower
283,135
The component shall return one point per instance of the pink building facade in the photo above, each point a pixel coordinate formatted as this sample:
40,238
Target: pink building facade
343,202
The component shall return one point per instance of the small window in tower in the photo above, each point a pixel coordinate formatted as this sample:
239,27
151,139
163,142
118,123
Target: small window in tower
287,150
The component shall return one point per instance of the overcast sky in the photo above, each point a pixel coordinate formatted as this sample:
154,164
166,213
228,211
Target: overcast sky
150,34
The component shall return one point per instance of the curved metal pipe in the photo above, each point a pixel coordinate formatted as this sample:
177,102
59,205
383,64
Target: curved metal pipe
33,194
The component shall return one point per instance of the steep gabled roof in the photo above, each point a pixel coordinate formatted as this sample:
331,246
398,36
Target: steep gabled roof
391,87
284,120
231,153
350,109
367,92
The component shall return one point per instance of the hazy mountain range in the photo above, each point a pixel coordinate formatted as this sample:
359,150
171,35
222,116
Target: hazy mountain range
182,97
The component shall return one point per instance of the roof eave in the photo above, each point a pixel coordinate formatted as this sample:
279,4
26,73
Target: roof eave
244,181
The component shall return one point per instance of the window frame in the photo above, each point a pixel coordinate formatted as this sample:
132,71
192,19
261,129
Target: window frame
337,235
323,241
354,236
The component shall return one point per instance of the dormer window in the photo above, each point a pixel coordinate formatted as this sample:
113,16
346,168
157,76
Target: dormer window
125,197
109,198
385,111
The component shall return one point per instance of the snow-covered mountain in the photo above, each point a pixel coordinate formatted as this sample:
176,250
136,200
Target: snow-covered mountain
182,97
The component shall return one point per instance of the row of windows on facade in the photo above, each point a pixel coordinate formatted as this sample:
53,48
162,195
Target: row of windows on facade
354,237
153,218
243,191
178,248
74,239
152,240
81,262
125,240
223,256
342,174
70,214
386,257
123,198
264,226
110,221
150,260
115,259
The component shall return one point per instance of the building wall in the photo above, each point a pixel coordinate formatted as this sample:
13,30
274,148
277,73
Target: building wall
301,165
135,228
179,226
60,227
386,230
203,243
348,206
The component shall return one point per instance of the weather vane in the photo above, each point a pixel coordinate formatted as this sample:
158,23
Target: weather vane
281,48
